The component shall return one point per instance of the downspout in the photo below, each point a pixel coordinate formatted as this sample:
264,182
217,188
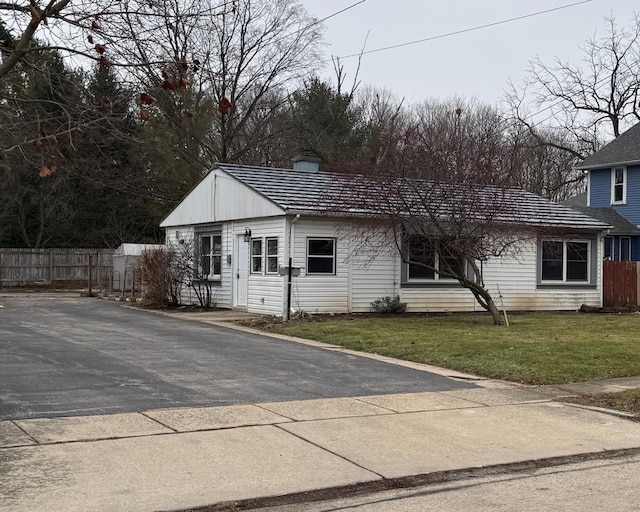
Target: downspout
287,315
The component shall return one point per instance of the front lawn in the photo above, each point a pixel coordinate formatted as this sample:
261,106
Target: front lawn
538,348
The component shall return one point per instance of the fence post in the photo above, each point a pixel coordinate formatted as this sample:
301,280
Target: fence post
636,264
99,272
50,266
90,269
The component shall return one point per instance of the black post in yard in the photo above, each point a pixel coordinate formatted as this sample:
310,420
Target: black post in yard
289,289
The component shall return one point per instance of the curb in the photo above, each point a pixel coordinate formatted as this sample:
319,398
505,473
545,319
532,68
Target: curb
408,482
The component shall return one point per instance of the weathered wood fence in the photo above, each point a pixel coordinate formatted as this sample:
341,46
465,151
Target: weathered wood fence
620,283
54,267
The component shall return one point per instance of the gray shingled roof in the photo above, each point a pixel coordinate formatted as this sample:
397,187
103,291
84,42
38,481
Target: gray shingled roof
323,192
623,150
579,200
621,226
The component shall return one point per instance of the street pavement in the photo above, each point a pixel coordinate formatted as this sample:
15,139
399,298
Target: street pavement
176,458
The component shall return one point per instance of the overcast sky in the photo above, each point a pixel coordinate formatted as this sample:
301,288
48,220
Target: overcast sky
474,64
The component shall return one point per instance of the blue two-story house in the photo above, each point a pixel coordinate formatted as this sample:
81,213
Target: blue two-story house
613,194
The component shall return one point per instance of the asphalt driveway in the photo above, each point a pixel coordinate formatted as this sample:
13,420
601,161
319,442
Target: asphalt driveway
67,356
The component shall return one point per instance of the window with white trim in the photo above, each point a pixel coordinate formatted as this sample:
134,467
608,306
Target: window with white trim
210,256
321,256
565,261
256,255
619,185
272,255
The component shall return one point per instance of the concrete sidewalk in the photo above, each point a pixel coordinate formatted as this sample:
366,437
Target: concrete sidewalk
179,458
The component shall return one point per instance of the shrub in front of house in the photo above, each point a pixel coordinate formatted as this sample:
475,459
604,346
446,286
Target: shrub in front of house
388,305
161,279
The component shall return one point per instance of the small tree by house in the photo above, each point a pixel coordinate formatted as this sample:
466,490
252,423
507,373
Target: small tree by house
161,278
195,274
441,200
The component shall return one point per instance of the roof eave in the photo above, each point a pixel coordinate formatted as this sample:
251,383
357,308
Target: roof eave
604,166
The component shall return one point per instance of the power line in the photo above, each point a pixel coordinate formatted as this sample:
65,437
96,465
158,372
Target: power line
463,31
338,12
317,22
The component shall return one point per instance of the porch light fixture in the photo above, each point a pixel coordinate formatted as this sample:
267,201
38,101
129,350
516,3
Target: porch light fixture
247,235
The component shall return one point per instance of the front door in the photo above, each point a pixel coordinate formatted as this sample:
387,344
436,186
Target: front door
241,273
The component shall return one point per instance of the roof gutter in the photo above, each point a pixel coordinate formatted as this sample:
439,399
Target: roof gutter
605,166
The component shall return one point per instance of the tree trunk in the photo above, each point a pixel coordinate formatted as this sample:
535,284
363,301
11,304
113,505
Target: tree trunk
491,307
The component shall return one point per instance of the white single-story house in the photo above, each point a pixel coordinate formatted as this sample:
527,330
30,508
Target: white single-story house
246,223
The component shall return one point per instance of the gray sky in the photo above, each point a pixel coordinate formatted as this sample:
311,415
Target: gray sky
474,64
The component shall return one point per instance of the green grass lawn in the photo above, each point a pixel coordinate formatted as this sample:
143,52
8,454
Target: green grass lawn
538,348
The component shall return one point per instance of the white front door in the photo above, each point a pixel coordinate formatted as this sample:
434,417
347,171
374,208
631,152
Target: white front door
241,273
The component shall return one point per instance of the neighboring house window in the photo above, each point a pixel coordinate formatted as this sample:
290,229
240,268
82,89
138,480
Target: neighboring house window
565,261
321,256
423,253
619,185
625,248
210,255
256,255
608,248
272,255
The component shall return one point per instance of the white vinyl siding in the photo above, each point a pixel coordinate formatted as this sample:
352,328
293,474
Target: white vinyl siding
215,199
360,279
517,279
319,293
267,291
373,276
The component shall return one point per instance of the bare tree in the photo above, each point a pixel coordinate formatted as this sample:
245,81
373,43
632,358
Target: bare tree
234,58
590,101
442,199
29,18
544,169
385,122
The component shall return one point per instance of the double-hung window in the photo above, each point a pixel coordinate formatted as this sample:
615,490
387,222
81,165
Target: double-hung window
565,261
272,255
210,256
619,185
256,255
321,256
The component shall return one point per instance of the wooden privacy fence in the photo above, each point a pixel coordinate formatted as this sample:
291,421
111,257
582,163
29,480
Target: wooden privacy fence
620,283
54,267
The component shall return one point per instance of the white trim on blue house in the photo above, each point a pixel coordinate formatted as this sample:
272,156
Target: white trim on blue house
615,184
